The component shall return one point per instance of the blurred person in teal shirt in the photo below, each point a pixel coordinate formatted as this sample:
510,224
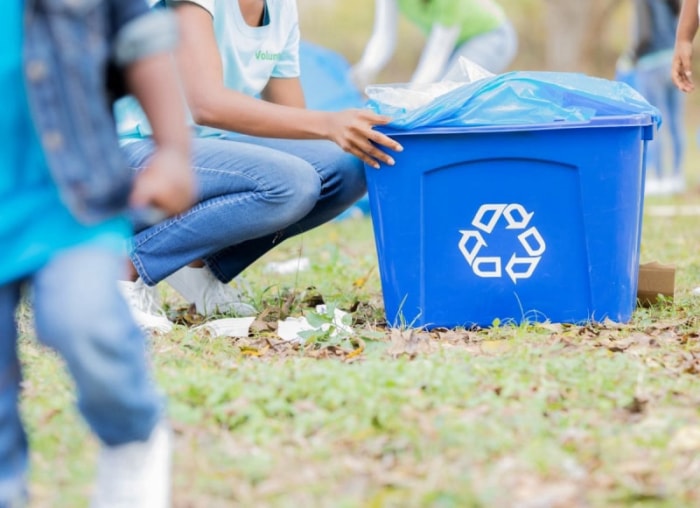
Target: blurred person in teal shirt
64,188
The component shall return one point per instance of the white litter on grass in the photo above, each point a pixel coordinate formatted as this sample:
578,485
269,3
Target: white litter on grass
228,327
290,266
290,328
672,210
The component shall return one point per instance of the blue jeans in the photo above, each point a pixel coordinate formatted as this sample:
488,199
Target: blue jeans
655,84
79,312
253,193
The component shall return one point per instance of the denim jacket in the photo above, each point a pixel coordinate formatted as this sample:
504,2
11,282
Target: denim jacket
70,46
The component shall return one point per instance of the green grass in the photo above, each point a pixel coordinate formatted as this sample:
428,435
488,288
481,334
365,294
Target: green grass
603,415
532,415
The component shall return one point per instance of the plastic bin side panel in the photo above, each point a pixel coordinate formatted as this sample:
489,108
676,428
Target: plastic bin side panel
505,234
394,197
612,187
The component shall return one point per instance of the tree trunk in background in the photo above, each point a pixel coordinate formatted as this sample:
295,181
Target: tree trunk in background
574,29
567,24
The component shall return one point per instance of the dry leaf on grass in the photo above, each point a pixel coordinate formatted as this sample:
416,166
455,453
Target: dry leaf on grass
410,343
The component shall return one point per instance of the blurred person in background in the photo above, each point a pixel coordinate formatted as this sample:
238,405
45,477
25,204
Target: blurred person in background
475,29
681,68
654,33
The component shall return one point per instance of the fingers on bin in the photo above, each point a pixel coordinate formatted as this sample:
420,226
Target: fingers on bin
365,158
384,157
384,140
374,156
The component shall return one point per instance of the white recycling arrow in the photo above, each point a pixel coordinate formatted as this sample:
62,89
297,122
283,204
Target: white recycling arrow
534,234
515,261
485,221
470,255
523,217
495,210
496,268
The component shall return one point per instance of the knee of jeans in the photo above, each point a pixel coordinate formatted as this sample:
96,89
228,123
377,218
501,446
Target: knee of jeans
96,336
347,181
118,408
302,191
108,363
109,379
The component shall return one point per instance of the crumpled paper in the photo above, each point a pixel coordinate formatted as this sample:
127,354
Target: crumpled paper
288,329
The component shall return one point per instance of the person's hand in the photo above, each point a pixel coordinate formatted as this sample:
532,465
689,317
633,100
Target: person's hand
353,131
167,184
681,72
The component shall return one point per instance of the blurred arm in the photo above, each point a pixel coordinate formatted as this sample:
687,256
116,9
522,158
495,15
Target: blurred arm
436,54
285,91
381,45
688,21
168,182
681,68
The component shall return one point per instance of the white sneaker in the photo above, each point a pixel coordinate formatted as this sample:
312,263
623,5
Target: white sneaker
677,184
145,306
653,186
695,292
209,294
135,475
14,493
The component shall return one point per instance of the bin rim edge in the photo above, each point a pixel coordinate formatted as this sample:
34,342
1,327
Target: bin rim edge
632,120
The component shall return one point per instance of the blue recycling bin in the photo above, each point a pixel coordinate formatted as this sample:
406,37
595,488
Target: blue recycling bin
523,223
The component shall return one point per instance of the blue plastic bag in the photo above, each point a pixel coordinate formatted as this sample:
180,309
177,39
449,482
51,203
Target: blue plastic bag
516,98
325,79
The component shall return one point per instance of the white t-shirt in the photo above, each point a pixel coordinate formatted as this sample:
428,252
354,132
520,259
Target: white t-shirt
250,56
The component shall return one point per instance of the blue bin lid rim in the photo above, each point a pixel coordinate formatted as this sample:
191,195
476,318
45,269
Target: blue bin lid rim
634,120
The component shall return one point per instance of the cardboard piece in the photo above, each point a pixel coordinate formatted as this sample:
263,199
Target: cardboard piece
655,279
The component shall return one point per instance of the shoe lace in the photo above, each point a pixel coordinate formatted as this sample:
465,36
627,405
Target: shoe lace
224,293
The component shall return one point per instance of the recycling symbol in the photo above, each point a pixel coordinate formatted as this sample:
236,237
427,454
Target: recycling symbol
518,265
